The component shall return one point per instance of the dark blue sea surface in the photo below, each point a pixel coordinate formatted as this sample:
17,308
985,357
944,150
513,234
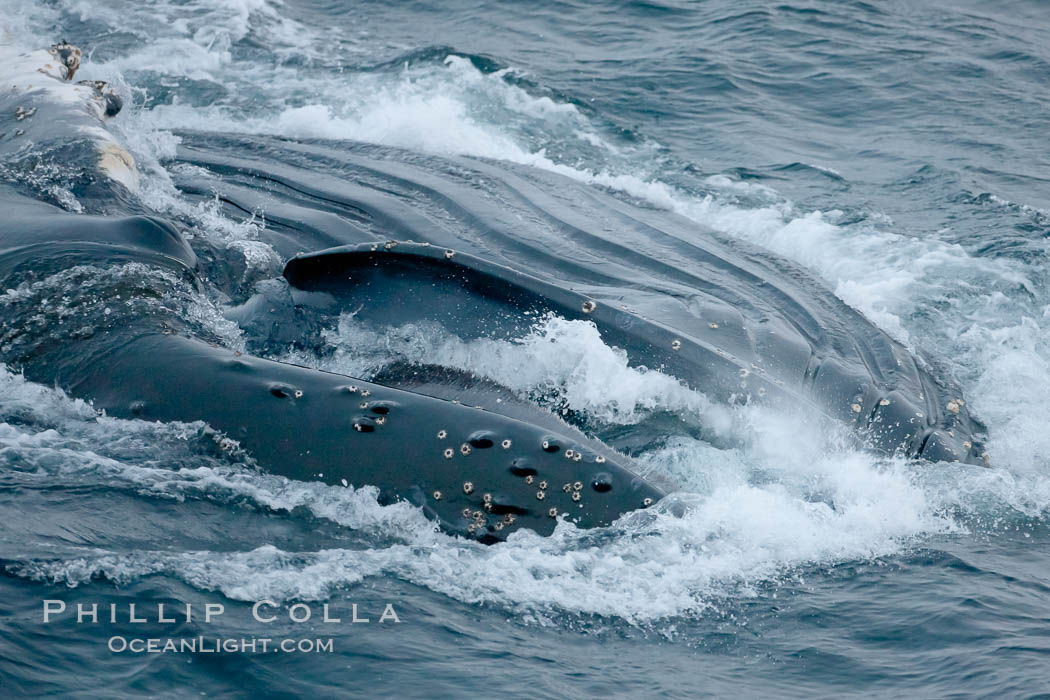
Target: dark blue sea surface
898,151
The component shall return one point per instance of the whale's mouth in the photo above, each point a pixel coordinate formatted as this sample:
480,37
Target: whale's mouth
717,316
645,347
589,313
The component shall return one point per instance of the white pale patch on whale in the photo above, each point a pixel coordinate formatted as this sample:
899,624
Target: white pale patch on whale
115,161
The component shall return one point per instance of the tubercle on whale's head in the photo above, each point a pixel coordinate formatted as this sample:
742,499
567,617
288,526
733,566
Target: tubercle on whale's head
901,426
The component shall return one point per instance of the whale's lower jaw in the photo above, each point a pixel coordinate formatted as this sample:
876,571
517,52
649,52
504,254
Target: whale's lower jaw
394,283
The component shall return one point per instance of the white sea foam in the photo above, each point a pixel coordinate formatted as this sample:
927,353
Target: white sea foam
559,358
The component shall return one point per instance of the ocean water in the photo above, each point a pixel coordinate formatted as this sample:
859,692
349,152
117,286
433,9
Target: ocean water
898,152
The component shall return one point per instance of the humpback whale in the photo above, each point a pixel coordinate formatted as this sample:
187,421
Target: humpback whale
97,305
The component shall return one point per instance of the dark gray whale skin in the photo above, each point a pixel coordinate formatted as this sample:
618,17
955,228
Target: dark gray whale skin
750,325
477,473
420,281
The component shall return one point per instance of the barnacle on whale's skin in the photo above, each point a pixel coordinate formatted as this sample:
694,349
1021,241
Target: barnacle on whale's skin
68,57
